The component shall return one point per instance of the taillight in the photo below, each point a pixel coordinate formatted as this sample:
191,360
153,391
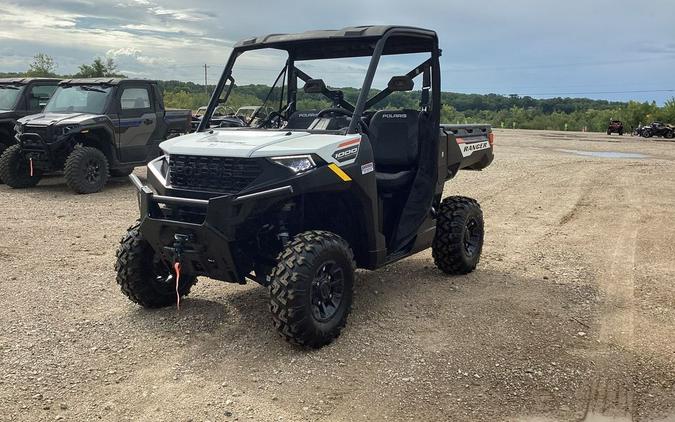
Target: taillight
491,138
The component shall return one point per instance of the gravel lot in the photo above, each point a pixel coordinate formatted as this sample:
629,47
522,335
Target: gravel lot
570,315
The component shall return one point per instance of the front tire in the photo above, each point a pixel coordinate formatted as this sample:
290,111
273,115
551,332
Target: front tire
3,147
143,277
311,288
86,170
15,169
459,235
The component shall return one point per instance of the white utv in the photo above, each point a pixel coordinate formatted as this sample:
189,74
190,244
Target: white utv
300,200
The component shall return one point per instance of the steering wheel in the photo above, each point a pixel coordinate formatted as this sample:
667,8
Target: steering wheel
338,110
269,119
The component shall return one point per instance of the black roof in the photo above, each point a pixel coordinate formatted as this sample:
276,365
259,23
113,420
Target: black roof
26,81
103,81
347,42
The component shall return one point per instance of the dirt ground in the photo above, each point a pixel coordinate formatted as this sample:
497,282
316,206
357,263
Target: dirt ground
570,315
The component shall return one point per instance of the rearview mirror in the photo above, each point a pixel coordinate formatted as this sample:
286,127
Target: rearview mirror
314,86
400,83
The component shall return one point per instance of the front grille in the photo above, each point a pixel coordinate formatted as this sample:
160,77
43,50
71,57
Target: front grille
214,174
43,131
31,142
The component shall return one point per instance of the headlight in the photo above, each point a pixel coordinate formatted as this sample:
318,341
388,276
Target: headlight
68,129
297,163
18,128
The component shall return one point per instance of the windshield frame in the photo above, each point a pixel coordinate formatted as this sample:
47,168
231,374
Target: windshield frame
292,73
109,96
20,89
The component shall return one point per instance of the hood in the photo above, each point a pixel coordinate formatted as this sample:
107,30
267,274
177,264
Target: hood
227,143
6,114
340,149
46,119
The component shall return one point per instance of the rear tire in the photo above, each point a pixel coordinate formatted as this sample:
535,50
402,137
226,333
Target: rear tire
669,135
145,279
15,169
311,288
459,235
86,170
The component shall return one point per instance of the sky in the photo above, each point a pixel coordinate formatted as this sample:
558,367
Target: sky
616,50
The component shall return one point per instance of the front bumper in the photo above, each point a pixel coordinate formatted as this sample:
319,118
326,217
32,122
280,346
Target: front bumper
208,248
34,145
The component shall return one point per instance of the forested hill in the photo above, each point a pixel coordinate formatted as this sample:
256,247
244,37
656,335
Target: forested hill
498,110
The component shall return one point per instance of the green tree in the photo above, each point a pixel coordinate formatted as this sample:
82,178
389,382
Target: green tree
42,66
99,69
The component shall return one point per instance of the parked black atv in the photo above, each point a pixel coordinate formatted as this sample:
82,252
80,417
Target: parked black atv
91,129
20,97
658,129
300,199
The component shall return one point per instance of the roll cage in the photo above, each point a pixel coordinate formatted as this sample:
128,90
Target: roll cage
366,41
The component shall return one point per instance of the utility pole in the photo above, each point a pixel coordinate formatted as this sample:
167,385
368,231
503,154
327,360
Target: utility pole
206,80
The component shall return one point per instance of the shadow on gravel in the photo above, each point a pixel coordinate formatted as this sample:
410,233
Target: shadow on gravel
57,185
490,337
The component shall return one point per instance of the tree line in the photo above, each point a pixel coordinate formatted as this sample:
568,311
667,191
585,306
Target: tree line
510,111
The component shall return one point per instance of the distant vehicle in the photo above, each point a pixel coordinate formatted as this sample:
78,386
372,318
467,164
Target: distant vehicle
615,126
90,129
638,130
253,115
658,129
20,97
222,117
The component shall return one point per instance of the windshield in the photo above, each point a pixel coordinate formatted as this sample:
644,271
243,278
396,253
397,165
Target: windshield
9,94
258,86
79,99
269,90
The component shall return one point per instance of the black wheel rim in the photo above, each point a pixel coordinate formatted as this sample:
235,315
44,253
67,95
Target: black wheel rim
327,291
92,172
472,234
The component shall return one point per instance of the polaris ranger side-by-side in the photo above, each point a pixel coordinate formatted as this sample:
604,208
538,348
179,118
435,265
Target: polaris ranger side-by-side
90,129
20,97
301,199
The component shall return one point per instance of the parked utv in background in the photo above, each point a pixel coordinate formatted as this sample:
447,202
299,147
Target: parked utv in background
615,126
20,97
222,117
658,129
90,129
299,200
226,117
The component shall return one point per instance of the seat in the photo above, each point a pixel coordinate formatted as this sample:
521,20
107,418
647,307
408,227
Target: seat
394,136
301,119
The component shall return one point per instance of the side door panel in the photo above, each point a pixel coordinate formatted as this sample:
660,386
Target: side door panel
137,122
161,128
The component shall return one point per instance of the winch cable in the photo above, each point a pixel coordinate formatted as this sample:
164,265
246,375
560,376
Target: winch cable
30,163
176,267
